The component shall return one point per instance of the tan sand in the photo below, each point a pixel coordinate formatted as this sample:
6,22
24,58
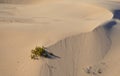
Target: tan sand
73,30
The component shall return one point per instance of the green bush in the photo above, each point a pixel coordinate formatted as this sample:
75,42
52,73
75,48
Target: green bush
37,52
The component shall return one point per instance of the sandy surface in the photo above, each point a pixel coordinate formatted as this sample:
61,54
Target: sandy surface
82,33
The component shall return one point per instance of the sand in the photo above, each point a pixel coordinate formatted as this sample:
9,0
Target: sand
83,33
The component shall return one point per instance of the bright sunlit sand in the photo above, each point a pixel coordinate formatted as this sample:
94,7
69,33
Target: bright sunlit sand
83,33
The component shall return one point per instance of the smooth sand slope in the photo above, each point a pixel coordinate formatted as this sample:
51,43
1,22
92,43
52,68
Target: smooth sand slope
19,1
82,33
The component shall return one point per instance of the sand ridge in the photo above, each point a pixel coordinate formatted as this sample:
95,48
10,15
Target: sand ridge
57,25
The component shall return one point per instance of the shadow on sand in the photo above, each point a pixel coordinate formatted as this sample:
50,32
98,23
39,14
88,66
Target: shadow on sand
116,14
49,55
109,25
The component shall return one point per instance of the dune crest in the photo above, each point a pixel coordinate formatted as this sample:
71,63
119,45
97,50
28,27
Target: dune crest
82,33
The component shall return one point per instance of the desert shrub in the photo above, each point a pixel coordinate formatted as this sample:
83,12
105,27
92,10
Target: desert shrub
37,52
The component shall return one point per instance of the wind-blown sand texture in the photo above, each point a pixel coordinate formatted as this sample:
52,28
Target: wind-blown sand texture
84,33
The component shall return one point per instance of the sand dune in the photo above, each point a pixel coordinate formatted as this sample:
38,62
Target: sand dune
84,33
94,49
98,49
86,50
80,52
18,1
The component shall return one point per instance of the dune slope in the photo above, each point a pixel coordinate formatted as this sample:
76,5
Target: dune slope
98,49
79,52
81,33
95,53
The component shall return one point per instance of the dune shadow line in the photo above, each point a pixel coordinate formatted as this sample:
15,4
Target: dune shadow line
109,25
116,14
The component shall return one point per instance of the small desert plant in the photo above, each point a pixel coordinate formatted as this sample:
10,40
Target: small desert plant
37,52
42,52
